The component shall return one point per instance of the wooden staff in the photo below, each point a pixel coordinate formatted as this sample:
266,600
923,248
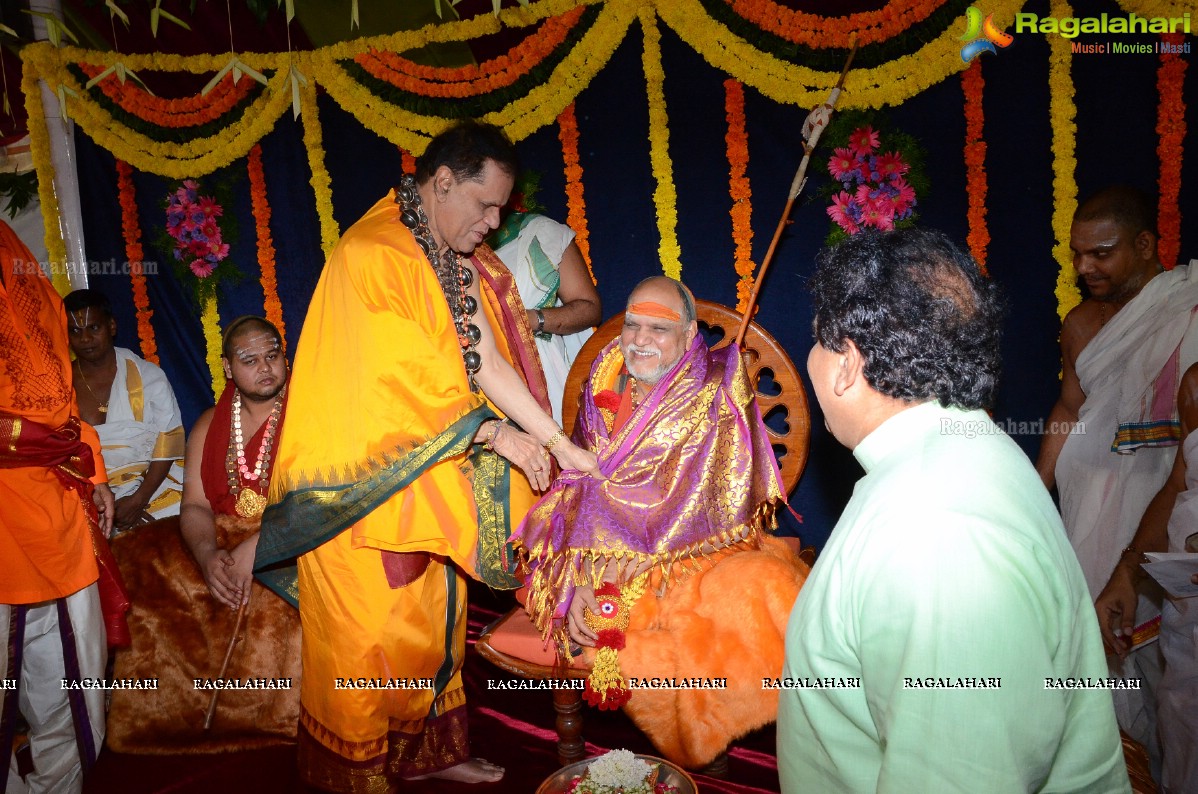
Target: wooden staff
796,187
224,668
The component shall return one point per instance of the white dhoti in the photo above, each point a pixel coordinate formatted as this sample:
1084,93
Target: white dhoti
1177,694
142,425
53,641
1120,455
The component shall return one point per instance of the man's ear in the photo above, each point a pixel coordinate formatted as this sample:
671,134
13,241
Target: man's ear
691,332
443,180
1145,245
228,370
850,368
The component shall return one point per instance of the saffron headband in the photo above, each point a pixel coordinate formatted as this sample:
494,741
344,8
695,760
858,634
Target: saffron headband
651,309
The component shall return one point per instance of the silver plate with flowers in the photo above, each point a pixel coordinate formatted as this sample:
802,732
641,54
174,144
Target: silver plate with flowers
620,772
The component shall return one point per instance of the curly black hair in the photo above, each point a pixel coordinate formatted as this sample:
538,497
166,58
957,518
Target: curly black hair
925,319
465,149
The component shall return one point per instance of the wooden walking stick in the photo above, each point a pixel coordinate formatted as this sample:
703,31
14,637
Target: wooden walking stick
796,187
225,664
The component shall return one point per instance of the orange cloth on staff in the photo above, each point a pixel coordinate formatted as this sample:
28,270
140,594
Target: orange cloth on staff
45,542
378,373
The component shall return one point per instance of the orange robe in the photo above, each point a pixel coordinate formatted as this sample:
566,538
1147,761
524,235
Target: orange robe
45,541
380,422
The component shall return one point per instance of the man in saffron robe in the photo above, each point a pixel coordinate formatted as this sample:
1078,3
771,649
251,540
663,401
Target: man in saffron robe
393,479
132,406
689,486
180,574
55,505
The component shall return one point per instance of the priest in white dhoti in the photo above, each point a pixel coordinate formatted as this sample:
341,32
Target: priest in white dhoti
1113,434
130,403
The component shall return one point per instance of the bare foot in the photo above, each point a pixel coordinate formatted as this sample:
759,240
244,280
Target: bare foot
476,770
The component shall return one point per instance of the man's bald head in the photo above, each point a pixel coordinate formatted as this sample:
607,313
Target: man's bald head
665,291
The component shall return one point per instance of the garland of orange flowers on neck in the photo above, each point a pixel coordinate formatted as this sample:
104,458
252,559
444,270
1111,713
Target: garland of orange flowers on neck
182,112
814,30
266,246
1171,132
131,230
473,80
737,141
576,208
976,187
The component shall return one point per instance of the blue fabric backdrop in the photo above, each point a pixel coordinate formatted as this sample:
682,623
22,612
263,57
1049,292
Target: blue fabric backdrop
1117,106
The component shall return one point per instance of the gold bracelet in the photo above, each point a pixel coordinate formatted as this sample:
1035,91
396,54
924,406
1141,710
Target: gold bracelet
554,439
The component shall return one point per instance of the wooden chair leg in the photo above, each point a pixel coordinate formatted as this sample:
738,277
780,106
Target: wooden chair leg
568,705
718,768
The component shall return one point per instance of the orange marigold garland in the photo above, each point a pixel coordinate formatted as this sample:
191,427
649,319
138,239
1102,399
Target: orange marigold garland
408,161
972,84
737,141
182,112
464,81
576,208
131,229
266,245
817,30
1171,132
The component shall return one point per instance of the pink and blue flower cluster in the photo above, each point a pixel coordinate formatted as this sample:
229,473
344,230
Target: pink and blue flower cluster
191,219
875,194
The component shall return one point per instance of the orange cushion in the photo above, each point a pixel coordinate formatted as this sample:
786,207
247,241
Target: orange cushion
518,637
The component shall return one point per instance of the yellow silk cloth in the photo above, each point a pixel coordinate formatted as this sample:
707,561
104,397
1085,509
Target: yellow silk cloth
380,422
378,373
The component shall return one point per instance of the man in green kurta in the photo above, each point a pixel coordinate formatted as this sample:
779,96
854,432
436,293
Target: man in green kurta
945,639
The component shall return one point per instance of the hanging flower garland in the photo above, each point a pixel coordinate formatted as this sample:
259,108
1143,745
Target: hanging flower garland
737,141
407,161
330,232
1063,114
131,229
465,81
816,30
183,112
665,197
978,237
576,208
210,322
1171,129
266,246
39,151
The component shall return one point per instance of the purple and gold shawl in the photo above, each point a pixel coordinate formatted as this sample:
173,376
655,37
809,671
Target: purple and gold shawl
692,468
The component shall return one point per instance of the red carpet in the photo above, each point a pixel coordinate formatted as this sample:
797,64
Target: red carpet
513,728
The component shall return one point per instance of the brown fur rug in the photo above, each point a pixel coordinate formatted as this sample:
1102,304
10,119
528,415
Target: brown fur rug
180,633
728,621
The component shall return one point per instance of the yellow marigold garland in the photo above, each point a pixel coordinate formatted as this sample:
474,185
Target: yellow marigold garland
131,230
266,245
210,320
43,163
576,208
1062,114
1157,8
978,237
737,141
665,198
330,232
888,84
1171,132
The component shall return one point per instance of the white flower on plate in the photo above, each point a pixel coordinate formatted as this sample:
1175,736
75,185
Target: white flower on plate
619,768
